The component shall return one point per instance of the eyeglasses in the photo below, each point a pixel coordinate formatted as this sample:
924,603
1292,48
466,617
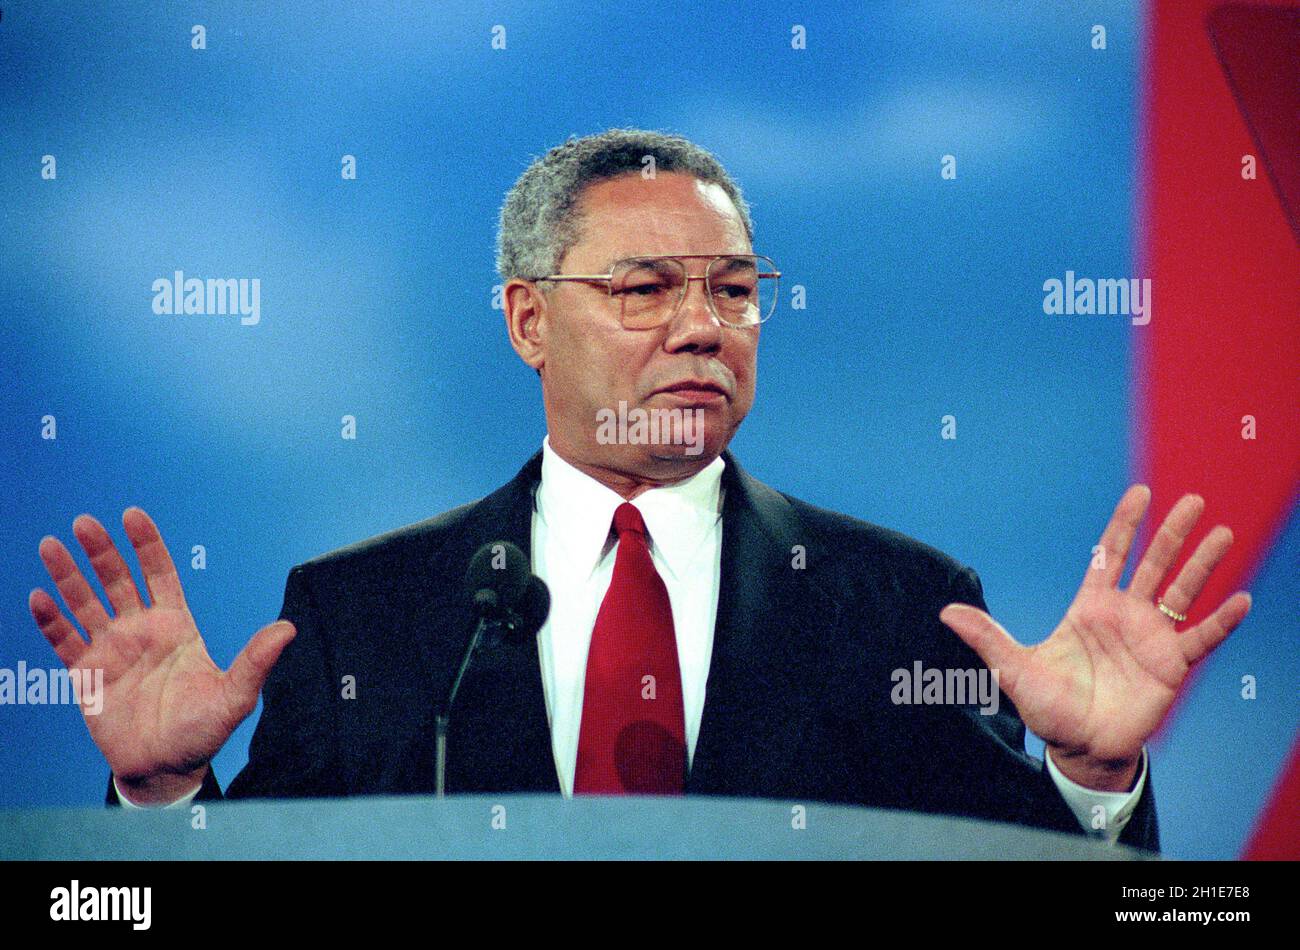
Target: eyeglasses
741,288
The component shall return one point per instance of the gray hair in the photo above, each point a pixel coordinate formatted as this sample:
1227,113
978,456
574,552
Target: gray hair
539,220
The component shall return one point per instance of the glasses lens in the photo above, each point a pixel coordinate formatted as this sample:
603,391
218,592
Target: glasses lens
649,290
743,289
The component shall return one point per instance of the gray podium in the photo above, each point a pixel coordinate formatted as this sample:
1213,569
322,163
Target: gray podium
526,827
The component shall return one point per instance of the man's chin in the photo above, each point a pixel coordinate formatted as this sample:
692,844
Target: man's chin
696,447
683,456
662,438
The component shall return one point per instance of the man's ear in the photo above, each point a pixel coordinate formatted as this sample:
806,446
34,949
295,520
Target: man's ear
525,306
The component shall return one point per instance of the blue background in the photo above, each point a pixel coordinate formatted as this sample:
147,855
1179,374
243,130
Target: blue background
924,299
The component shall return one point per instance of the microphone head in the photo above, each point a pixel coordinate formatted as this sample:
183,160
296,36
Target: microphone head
497,576
532,609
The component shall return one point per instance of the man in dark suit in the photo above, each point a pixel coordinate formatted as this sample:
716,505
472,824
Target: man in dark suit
708,635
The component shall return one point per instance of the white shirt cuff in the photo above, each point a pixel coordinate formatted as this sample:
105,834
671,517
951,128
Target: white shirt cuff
127,803
1102,814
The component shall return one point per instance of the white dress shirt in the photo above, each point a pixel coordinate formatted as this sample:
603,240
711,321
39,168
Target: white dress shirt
573,551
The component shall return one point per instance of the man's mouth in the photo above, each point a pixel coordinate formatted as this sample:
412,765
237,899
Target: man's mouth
693,391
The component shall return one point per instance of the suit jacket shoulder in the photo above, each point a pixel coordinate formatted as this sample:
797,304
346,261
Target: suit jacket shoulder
870,554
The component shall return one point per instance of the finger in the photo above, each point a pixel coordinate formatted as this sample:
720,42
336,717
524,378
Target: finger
1164,547
1189,583
73,586
1118,536
160,576
56,628
109,567
1199,640
997,648
253,665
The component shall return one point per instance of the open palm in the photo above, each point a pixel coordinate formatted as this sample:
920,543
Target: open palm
1100,685
166,708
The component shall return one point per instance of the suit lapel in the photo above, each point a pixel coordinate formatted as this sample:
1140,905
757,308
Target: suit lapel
771,644
499,738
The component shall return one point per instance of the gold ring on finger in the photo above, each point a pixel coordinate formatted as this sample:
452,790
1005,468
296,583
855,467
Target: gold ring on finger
1169,611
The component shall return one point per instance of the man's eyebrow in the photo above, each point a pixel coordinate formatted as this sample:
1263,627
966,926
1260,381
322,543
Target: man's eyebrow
738,262
651,261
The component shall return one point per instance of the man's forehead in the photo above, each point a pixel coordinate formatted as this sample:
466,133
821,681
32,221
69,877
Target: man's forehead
670,214
666,194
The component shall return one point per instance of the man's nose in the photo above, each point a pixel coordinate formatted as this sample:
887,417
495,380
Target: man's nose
694,327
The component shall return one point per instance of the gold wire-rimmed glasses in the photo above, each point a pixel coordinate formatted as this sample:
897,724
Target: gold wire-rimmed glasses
741,288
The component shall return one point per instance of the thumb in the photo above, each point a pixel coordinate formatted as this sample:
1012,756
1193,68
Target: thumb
253,665
997,648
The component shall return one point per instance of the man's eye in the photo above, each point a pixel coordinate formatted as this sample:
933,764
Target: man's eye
643,290
734,291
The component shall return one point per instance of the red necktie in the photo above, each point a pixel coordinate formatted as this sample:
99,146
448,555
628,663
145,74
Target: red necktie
633,733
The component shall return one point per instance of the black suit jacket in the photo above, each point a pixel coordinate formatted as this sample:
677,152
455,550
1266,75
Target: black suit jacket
798,700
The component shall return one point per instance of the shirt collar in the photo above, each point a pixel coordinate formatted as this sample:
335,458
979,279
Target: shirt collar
579,511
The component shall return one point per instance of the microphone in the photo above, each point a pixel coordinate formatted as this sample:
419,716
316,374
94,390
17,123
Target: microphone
508,600
532,610
497,577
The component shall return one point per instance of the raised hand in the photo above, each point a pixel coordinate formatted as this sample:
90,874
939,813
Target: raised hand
166,708
1100,685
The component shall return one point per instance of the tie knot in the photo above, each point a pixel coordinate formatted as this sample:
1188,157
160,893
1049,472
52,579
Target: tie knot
627,518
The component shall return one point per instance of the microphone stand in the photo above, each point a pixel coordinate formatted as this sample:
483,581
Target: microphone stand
485,601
